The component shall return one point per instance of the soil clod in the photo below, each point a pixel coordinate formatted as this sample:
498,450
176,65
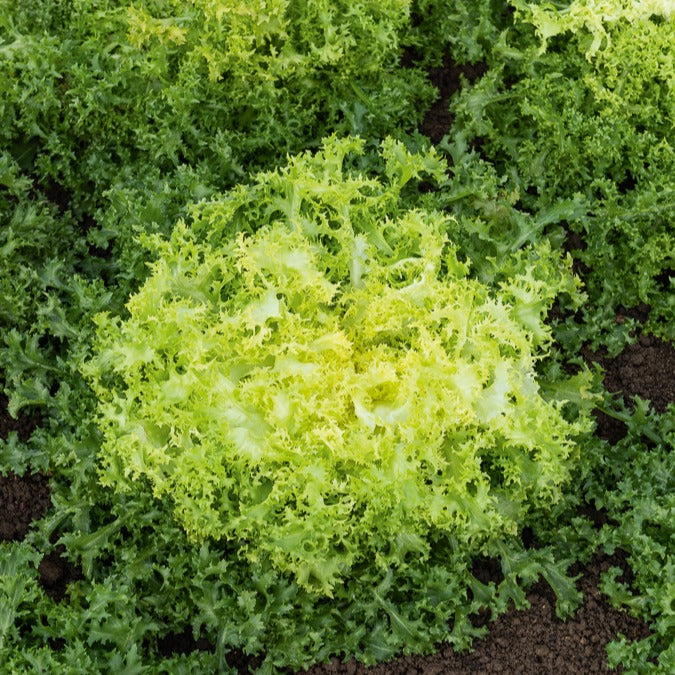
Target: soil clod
22,500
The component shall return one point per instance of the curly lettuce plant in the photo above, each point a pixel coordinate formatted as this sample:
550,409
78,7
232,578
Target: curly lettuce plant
577,109
331,386
217,85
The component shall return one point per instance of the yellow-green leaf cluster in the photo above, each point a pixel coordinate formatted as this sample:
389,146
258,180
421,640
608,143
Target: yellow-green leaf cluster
333,386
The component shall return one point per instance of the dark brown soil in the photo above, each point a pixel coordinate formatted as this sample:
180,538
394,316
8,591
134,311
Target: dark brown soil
645,369
56,573
22,500
447,78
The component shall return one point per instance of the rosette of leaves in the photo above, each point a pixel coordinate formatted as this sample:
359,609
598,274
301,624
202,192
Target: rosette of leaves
311,373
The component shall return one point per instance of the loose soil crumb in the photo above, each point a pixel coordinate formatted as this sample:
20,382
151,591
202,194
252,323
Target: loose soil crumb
22,500
608,428
56,573
531,641
645,369
183,643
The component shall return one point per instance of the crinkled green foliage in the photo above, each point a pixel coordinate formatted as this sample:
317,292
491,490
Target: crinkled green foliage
143,579
631,483
229,85
332,389
593,16
636,487
108,107
117,118
46,299
464,29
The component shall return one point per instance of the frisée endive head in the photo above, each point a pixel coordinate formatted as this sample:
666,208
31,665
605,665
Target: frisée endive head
333,380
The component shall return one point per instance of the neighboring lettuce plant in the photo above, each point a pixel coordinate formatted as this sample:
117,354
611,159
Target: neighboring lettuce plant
577,108
94,86
311,373
635,484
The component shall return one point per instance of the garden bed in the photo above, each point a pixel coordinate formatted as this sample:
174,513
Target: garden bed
332,338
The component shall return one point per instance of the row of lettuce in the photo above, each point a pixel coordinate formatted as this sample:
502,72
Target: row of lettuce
297,370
